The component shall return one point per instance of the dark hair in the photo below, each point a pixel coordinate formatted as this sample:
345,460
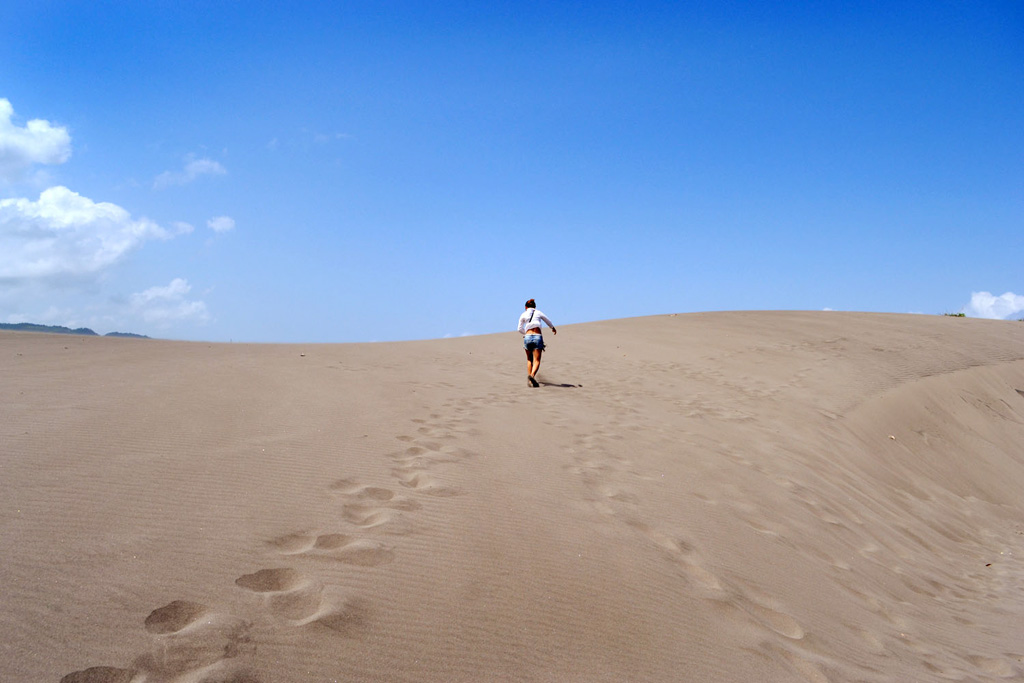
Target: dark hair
531,304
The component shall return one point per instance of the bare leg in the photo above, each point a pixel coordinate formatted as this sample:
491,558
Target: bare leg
532,366
535,365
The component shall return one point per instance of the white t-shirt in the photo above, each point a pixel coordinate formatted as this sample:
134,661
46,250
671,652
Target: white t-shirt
532,318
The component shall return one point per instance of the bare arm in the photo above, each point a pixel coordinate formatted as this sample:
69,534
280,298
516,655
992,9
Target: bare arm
549,323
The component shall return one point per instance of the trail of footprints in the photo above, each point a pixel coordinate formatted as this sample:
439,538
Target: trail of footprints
195,643
613,500
190,642
608,475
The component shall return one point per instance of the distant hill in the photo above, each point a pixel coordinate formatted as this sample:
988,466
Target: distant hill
60,329
52,329
130,335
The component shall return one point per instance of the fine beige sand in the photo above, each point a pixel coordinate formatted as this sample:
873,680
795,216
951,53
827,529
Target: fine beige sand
746,496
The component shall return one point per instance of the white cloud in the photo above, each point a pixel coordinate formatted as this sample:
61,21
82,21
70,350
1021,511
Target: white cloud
194,168
166,305
38,142
221,223
65,234
56,251
987,305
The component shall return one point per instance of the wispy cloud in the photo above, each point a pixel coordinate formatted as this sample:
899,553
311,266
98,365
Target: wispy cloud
165,305
37,142
193,169
987,305
221,223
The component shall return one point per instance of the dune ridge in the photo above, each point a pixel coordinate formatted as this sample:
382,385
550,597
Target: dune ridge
769,496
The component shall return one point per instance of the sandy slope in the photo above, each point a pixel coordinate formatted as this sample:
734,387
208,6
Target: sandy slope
705,497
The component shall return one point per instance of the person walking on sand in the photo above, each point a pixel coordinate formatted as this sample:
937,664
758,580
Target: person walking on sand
533,341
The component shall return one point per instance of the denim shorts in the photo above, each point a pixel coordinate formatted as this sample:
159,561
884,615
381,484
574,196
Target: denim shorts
533,341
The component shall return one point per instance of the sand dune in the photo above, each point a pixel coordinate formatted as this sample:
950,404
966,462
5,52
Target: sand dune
704,497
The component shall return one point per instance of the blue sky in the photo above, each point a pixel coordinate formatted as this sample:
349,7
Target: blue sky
335,172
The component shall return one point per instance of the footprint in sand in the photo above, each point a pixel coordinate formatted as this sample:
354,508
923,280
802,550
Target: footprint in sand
190,642
340,547
174,617
416,458
304,603
873,642
194,643
367,517
99,674
218,647
807,669
439,431
286,592
422,457
424,483
373,495
425,451
618,495
1001,668
682,552
354,489
759,608
292,544
366,507
347,617
362,552
331,541
780,623
271,580
289,595
296,605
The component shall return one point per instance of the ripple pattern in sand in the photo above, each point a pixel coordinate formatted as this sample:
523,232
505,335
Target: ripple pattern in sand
198,642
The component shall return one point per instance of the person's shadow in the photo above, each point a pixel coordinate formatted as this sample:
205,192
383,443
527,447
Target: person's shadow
563,386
